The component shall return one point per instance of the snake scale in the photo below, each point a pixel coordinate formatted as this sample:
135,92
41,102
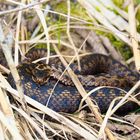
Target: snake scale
38,80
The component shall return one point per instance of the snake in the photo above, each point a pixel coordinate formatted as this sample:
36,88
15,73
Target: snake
38,81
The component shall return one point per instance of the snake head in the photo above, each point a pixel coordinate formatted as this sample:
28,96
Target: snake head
40,72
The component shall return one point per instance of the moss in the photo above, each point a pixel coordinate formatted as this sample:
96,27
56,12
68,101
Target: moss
123,49
119,3
138,28
118,44
42,45
136,2
58,21
76,10
98,9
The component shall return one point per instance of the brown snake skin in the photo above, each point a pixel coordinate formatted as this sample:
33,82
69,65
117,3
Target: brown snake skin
105,76
38,81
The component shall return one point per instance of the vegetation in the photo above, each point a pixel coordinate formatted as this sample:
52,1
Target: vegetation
68,28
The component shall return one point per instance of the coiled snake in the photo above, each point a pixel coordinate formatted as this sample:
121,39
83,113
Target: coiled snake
38,80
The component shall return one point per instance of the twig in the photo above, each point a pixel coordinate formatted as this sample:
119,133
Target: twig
22,8
8,113
126,97
28,118
16,56
97,15
68,32
133,33
4,69
6,43
10,127
84,133
43,21
83,93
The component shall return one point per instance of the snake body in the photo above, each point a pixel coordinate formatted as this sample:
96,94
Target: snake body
96,69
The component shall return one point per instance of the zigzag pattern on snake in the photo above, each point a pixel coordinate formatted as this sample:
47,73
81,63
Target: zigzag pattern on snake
96,69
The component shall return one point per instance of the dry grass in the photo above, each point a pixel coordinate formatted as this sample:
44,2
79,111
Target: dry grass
22,122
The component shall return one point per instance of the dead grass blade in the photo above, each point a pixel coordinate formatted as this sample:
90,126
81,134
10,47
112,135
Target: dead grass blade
134,34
